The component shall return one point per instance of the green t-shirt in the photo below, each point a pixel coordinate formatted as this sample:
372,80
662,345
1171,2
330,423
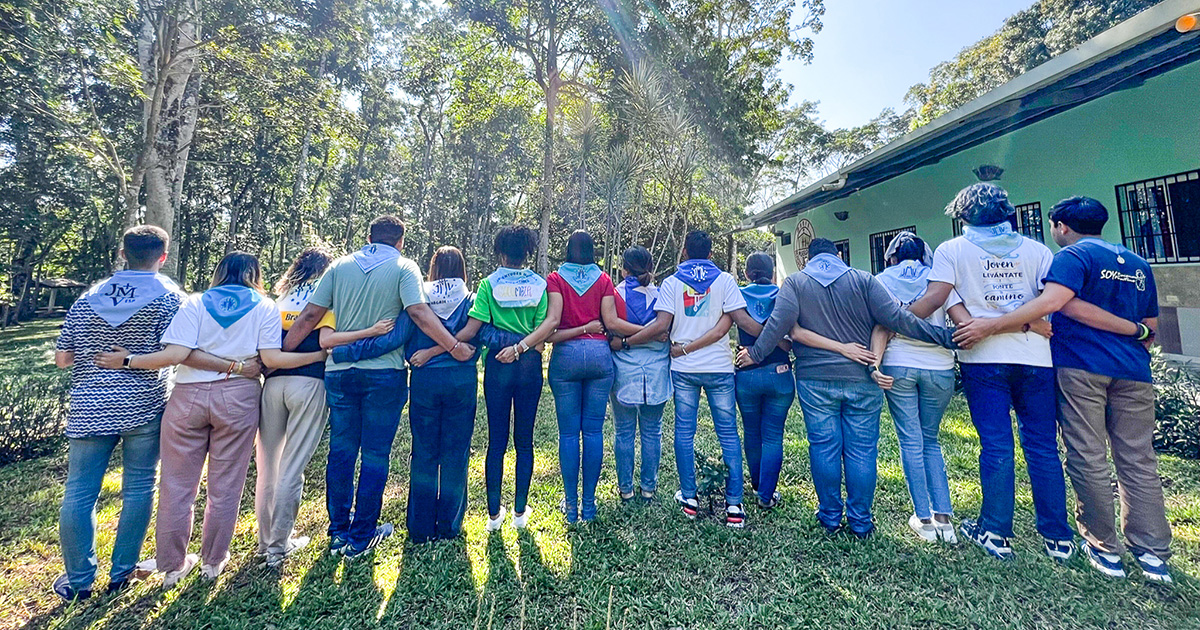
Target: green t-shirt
522,320
358,300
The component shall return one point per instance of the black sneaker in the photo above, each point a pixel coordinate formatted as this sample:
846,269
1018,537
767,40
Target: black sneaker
1061,551
1107,563
381,532
338,545
996,546
769,505
62,588
870,533
116,587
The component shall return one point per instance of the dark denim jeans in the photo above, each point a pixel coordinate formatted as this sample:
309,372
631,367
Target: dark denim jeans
511,392
87,462
719,388
764,396
842,422
364,412
441,413
629,422
581,377
993,389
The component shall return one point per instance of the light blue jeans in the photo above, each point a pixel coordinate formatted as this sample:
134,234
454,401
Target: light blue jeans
631,421
917,400
87,462
842,422
719,388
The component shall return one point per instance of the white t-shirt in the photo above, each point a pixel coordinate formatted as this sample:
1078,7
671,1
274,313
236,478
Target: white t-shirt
194,328
991,286
910,353
695,314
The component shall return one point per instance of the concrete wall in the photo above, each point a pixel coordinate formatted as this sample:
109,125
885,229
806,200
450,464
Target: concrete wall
1140,133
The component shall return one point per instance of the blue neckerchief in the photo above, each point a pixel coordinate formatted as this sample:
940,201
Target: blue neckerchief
998,240
580,277
825,268
699,274
516,288
639,301
907,281
116,299
760,300
374,254
229,302
445,295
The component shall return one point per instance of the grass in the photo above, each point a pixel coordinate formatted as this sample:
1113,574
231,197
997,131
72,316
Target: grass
634,568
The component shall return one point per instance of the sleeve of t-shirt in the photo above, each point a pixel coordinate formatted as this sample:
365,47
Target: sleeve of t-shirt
66,336
323,295
482,308
185,326
666,296
554,283
733,296
943,265
268,327
410,287
1151,309
1068,269
1044,263
952,300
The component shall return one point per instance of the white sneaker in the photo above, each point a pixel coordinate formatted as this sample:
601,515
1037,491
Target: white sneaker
924,531
295,544
521,521
211,572
945,531
494,524
173,577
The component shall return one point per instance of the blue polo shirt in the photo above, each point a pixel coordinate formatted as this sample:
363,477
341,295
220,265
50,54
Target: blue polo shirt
1118,281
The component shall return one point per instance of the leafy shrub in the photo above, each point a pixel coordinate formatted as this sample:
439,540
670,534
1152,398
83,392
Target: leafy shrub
33,409
1176,407
710,479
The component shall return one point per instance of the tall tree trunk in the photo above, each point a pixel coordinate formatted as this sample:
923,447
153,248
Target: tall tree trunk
299,198
552,86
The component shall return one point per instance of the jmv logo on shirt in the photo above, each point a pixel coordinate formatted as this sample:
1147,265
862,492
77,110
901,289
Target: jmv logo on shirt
120,293
695,304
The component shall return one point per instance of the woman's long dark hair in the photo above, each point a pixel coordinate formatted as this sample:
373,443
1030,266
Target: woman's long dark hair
309,265
447,262
581,249
238,268
638,263
760,268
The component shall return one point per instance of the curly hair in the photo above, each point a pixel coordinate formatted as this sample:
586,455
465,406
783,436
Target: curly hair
981,204
310,264
515,243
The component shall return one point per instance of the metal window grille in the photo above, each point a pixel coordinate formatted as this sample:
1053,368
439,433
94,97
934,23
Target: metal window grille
879,242
843,247
1160,218
1027,221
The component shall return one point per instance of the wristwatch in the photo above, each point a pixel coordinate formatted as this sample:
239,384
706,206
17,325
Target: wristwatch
871,369
125,362
624,343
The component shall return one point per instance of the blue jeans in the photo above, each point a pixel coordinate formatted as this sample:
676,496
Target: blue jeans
630,421
764,396
719,388
918,400
581,377
992,389
842,422
87,461
441,412
364,412
511,392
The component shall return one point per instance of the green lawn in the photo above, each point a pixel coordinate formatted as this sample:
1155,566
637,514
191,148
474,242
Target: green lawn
634,568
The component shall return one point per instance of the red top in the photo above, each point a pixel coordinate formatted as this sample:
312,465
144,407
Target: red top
577,309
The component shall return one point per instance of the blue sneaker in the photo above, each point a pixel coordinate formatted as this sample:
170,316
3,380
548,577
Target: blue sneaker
383,531
1154,568
337,545
1061,551
1107,563
996,546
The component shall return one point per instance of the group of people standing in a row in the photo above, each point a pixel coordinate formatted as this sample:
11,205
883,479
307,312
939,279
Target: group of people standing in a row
336,342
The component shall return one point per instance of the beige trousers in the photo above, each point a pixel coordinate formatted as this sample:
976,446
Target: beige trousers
291,426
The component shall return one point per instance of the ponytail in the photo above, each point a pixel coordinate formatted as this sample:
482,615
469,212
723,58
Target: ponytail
638,263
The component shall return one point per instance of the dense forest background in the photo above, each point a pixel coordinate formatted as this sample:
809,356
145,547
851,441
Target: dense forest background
270,125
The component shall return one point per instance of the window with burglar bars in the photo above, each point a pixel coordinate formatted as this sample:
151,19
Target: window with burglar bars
1160,218
879,243
843,247
1027,221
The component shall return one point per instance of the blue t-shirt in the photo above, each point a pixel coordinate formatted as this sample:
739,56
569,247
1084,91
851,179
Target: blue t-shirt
1118,281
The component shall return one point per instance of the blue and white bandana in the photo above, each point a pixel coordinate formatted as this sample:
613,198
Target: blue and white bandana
445,295
580,277
760,300
639,300
116,299
699,274
907,281
998,240
825,268
230,302
374,254
516,288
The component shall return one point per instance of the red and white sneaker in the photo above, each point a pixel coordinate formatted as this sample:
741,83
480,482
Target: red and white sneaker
735,516
690,507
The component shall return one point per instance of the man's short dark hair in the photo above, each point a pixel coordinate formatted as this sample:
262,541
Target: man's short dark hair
820,246
387,229
698,245
1082,214
144,245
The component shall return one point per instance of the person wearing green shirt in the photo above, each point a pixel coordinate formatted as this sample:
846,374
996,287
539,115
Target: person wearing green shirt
366,397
